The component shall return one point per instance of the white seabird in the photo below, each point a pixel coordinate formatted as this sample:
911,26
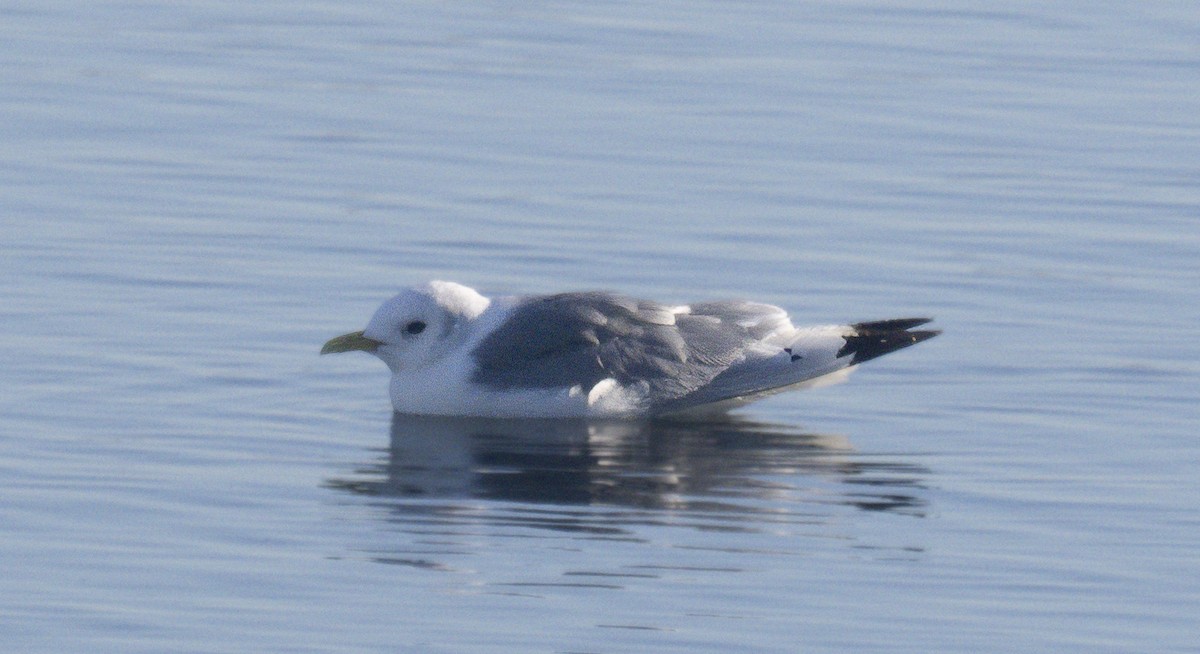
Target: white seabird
454,352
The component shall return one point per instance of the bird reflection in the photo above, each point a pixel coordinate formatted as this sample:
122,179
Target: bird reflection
728,473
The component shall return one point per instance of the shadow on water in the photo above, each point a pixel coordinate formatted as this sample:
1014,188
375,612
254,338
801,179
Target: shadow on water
607,479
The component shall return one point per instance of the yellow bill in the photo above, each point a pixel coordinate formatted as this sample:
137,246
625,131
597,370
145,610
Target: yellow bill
350,342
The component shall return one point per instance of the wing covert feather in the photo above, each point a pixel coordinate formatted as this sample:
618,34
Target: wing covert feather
582,338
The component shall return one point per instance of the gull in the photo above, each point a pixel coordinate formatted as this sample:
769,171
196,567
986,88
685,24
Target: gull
454,352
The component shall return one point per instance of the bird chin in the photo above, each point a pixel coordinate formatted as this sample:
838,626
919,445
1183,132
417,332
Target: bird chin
387,355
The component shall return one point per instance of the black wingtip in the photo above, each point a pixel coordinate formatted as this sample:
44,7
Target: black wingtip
898,324
875,339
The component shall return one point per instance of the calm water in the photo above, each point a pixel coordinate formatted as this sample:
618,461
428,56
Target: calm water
195,197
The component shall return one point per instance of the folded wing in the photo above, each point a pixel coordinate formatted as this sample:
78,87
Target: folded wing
682,357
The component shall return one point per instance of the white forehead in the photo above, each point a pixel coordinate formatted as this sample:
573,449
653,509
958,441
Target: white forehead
429,299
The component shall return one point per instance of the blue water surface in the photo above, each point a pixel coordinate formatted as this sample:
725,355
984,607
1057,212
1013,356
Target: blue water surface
194,197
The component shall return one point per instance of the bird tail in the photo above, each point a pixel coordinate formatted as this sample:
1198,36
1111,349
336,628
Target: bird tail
813,357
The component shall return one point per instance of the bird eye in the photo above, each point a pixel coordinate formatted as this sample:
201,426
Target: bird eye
414,327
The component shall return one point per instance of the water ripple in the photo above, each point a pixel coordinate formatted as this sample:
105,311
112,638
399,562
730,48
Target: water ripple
460,478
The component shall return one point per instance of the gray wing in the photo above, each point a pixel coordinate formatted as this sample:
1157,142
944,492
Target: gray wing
582,338
809,356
